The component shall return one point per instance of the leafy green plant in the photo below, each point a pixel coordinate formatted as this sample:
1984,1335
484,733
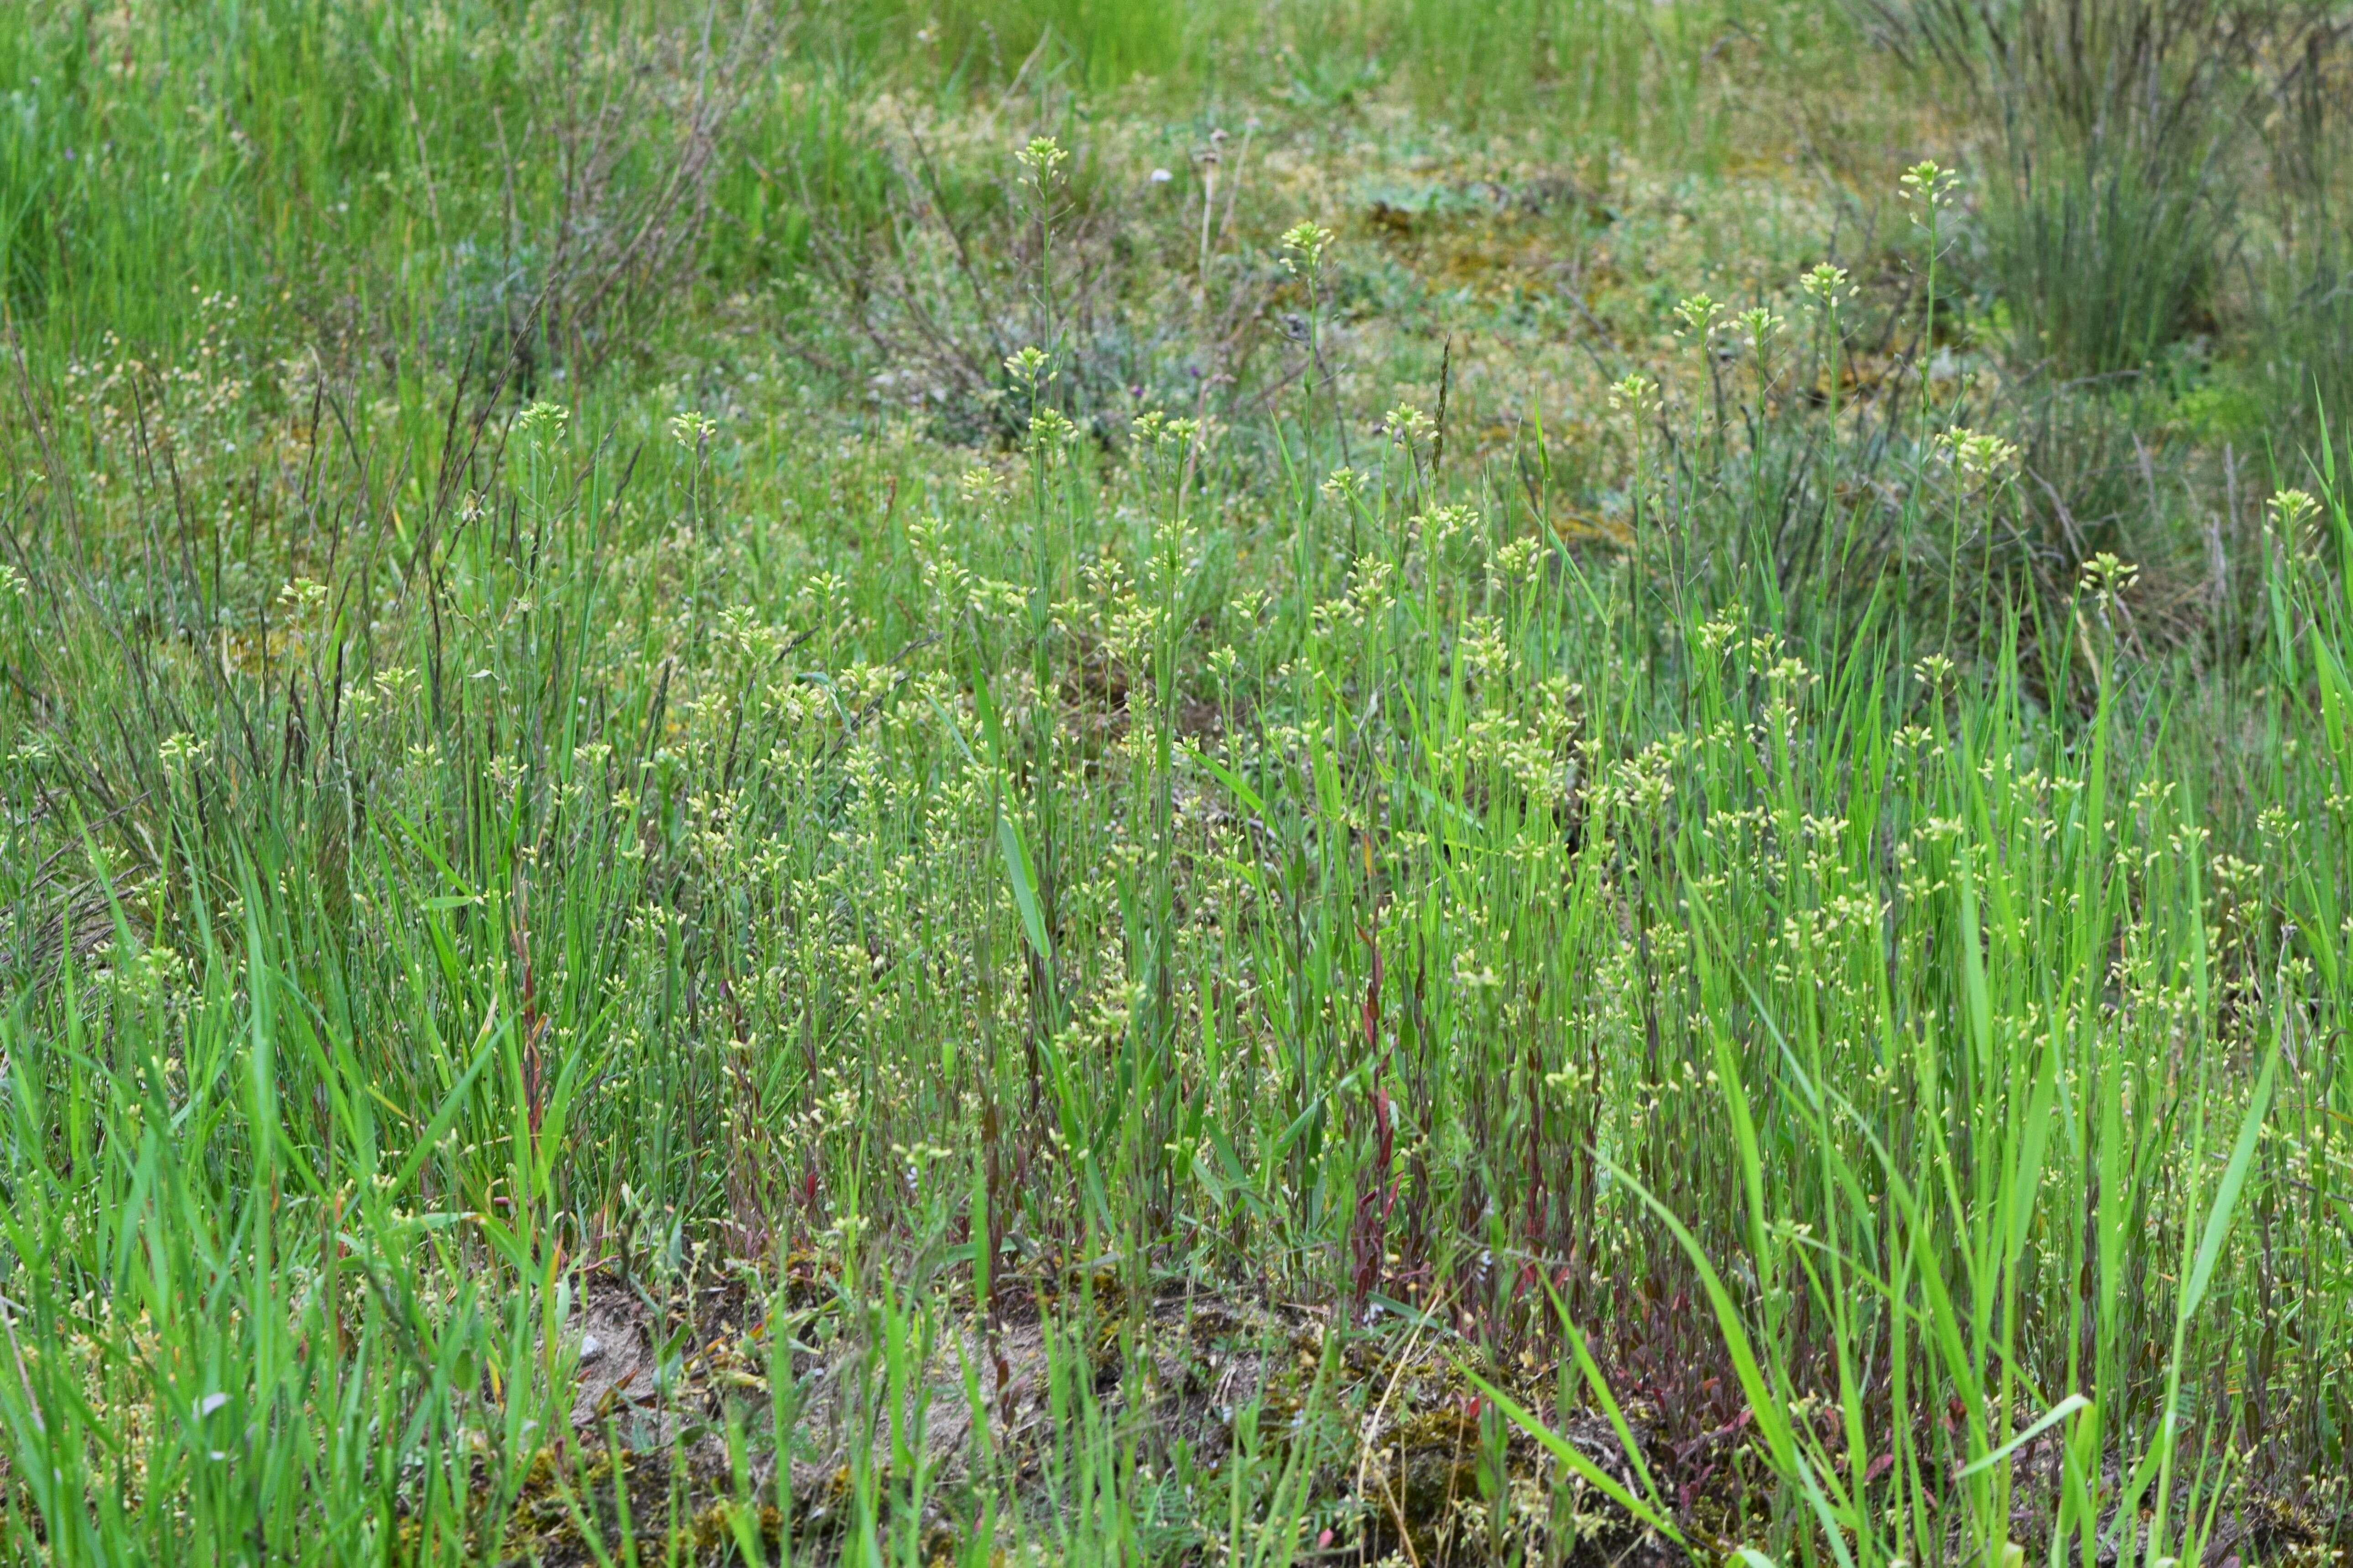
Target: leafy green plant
669,963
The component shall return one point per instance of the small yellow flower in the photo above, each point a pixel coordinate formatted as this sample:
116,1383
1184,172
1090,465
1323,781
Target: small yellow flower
543,421
1028,367
1043,159
1827,285
1929,182
1636,393
1304,245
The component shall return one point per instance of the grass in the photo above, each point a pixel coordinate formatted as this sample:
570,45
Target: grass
1419,896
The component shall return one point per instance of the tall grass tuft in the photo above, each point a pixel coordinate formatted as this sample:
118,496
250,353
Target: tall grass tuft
2122,137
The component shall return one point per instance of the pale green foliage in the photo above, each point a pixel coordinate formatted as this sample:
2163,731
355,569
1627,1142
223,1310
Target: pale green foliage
721,848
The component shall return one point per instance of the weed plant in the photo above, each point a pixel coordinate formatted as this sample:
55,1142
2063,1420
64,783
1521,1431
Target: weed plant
615,954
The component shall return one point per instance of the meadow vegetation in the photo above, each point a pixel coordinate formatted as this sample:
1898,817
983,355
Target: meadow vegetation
1077,780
